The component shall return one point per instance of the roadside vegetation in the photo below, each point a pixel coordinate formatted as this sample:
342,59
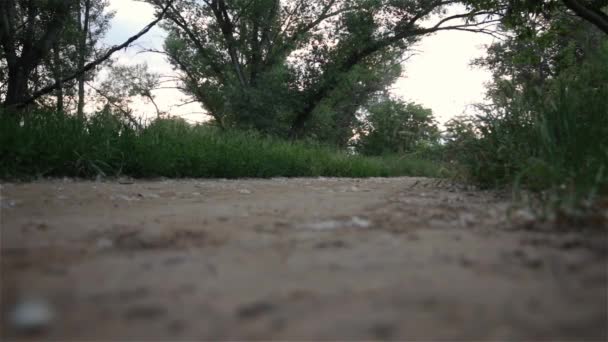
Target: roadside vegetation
544,131
50,144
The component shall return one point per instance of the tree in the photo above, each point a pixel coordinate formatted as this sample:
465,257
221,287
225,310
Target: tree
278,65
516,11
336,118
124,82
88,22
84,11
389,125
92,24
28,31
546,122
536,51
23,21
592,11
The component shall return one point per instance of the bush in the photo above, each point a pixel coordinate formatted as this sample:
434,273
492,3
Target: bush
554,141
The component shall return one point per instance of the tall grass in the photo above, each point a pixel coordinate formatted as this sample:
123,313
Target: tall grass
48,144
554,142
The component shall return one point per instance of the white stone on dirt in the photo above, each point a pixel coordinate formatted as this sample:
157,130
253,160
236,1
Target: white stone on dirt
467,219
104,243
5,204
31,315
324,225
360,222
523,215
353,222
245,192
124,198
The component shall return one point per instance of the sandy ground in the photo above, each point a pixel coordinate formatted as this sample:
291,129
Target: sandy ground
322,259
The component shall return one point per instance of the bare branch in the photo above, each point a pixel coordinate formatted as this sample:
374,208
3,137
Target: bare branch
98,61
124,112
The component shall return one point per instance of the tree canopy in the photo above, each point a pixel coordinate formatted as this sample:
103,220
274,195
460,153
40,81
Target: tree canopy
392,126
298,68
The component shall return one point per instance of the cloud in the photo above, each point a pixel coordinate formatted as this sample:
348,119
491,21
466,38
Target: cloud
131,16
135,12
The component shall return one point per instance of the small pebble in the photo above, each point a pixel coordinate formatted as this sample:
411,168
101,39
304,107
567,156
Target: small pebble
360,222
8,204
32,315
524,216
105,243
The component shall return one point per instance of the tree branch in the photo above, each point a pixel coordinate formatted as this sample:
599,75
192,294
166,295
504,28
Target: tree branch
592,15
179,20
125,113
406,31
98,61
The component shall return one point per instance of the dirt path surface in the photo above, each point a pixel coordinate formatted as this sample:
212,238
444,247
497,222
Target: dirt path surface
401,258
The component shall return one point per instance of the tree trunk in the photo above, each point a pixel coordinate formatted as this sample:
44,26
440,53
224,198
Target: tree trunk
83,22
227,28
589,13
16,86
57,76
255,54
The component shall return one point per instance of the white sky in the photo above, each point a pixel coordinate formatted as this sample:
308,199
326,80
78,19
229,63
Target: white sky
438,76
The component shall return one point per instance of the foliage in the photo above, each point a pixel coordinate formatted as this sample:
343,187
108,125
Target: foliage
245,78
126,82
295,68
389,126
106,145
42,41
518,12
546,127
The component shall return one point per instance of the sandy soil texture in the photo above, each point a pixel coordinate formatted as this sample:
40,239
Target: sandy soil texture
321,259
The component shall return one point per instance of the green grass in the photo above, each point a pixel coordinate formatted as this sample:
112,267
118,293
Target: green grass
48,144
554,144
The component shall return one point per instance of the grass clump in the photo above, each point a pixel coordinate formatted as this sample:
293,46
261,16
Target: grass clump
49,144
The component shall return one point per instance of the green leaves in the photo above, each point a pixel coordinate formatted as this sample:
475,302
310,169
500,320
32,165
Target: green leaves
546,127
394,126
297,68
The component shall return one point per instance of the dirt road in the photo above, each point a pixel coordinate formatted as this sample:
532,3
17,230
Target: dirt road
401,258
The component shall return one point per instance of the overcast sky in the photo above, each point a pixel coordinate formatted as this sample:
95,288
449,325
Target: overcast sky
438,76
